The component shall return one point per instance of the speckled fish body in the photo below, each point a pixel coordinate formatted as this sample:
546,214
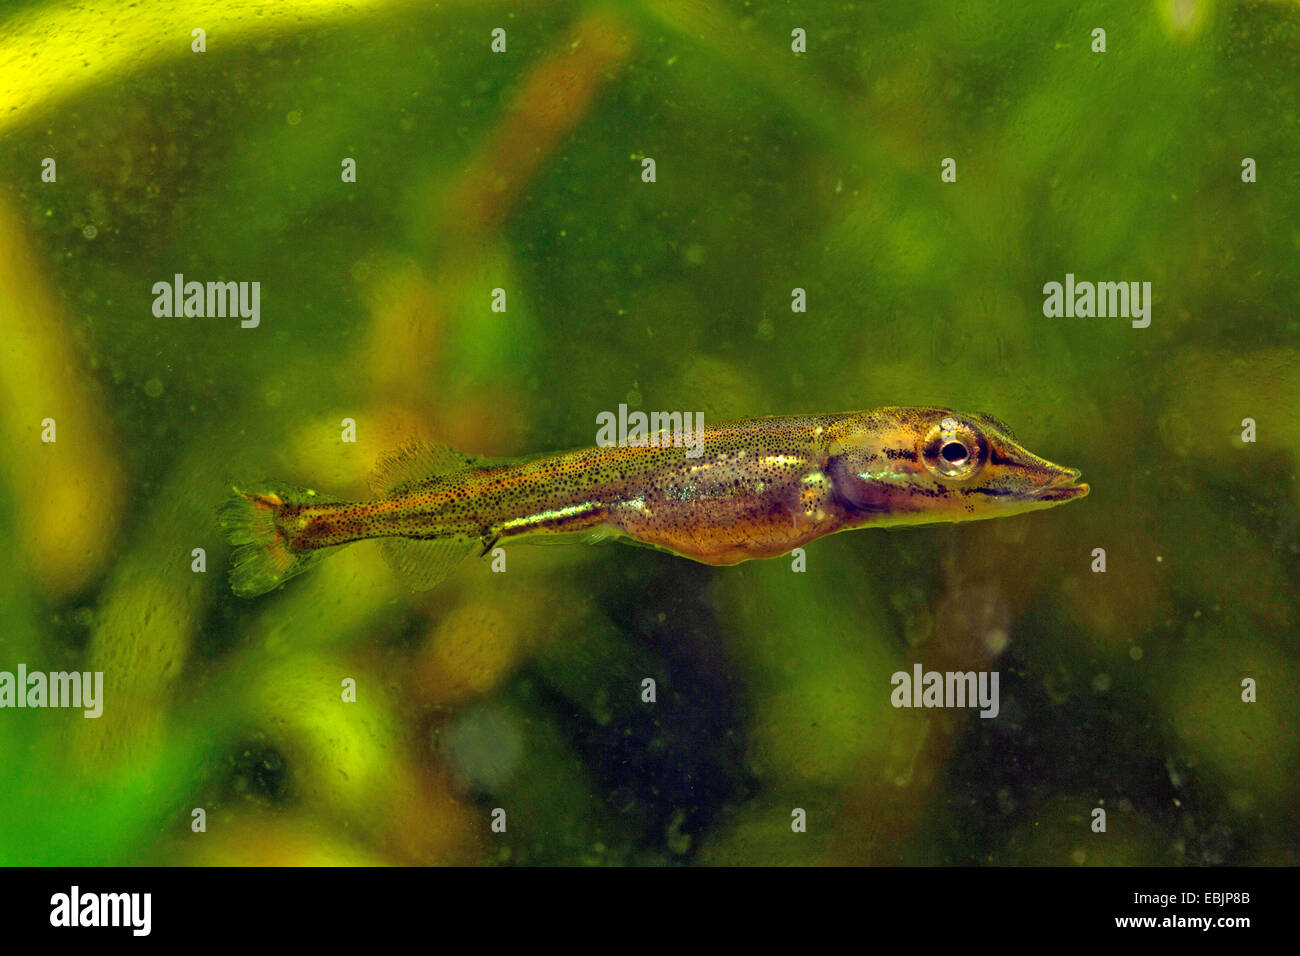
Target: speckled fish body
757,488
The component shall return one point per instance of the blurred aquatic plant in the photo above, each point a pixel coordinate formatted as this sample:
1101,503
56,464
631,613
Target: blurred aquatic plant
68,496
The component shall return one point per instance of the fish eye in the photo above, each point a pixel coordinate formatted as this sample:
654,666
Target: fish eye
954,450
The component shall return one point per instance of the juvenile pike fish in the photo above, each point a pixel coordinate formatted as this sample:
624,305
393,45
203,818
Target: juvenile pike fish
760,488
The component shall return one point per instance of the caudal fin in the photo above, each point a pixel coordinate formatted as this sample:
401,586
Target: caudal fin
263,558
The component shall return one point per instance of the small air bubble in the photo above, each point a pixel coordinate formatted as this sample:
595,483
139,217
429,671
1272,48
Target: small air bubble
89,231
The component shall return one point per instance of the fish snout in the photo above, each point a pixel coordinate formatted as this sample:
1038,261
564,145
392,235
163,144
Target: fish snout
1063,485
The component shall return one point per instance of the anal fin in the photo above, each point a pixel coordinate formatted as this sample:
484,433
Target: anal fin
423,563
595,535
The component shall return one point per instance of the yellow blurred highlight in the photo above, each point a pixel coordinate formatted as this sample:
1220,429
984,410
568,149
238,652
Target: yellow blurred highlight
143,636
69,493
472,650
333,604
435,360
352,761
1184,19
417,395
150,606
51,52
256,841
317,457
344,747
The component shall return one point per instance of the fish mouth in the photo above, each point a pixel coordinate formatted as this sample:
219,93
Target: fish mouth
1065,486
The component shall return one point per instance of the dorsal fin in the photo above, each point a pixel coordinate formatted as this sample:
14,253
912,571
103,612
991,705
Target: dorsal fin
417,463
